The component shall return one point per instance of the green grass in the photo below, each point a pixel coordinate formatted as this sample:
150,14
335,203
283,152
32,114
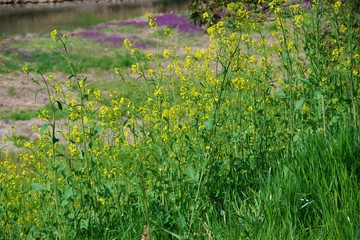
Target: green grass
7,64
53,62
128,29
315,193
18,114
25,114
128,89
50,61
240,141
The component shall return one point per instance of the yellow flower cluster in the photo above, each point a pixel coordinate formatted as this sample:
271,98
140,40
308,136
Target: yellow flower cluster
245,96
151,21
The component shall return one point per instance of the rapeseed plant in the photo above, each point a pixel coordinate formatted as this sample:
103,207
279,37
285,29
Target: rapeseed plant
213,125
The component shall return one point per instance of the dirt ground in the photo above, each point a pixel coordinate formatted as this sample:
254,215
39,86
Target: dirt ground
17,91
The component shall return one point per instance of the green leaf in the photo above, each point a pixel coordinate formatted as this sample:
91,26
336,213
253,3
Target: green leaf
43,128
68,193
280,95
181,221
296,138
208,124
302,80
173,234
299,103
286,56
55,140
333,120
84,224
56,165
37,187
64,203
59,105
33,229
317,95
192,173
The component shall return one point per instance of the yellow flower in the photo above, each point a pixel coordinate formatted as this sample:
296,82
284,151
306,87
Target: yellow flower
148,56
148,16
150,20
205,15
164,137
166,53
103,111
342,29
72,149
167,31
151,71
127,43
158,92
239,83
26,68
305,107
334,100
211,31
335,53
298,19
54,34
102,201
98,95
295,7
277,10
135,68
252,59
81,83
337,6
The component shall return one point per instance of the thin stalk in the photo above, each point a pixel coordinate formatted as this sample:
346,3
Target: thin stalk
52,123
83,129
350,32
289,74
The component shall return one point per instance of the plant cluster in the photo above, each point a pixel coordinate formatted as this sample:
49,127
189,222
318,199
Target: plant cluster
103,40
209,12
255,136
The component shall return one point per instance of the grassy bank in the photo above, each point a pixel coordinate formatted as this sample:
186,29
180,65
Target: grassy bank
103,42
255,136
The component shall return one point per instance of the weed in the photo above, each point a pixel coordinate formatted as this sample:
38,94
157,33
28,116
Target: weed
242,139
11,91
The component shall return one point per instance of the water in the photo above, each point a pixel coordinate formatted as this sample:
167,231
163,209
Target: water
42,18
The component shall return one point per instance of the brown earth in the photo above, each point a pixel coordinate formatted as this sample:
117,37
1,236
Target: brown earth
17,91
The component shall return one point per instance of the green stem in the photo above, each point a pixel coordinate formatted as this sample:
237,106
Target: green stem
52,123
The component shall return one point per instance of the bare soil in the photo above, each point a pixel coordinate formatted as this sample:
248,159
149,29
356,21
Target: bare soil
17,91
